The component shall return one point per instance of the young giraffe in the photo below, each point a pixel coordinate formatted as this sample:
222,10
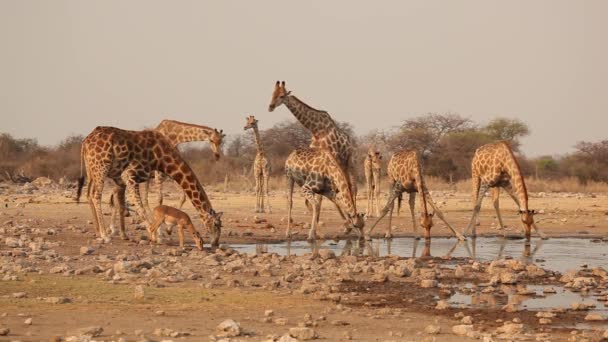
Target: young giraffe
261,168
405,175
180,132
494,166
373,169
325,131
128,158
320,174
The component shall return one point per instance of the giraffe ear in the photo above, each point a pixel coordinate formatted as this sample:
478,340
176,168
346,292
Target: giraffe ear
277,84
283,84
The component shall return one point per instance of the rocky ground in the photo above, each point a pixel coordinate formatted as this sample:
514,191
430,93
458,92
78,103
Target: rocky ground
58,282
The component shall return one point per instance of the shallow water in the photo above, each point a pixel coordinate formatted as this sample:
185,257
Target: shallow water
558,254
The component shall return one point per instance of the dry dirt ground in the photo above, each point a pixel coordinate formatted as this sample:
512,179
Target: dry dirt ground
135,291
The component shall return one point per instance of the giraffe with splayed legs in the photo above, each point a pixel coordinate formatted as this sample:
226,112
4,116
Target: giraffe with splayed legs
405,175
326,133
129,158
261,168
494,166
320,174
373,168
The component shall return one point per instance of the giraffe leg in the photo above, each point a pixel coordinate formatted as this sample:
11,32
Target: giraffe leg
290,184
377,192
144,189
182,200
412,203
394,193
121,201
129,178
266,190
313,228
442,218
495,200
95,190
261,193
257,193
316,205
479,198
368,210
158,181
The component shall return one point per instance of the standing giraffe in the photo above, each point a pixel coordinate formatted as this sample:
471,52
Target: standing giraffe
325,131
176,133
373,169
320,174
261,168
128,158
405,175
494,166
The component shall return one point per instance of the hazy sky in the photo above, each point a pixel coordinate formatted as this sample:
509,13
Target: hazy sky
68,66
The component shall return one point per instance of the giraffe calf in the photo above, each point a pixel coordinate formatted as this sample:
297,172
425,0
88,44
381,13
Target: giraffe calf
174,217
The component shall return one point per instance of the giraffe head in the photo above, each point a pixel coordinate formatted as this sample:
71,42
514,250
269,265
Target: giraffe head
214,223
215,139
426,221
527,219
358,221
375,157
278,95
251,122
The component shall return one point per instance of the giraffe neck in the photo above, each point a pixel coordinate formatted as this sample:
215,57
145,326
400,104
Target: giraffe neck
179,132
518,184
175,167
258,140
342,182
316,121
421,187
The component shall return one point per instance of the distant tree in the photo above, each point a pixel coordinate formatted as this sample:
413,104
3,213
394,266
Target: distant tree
511,130
423,133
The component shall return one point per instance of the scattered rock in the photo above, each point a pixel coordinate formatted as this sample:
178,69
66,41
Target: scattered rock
427,283
228,328
442,305
462,329
19,295
57,300
302,333
287,338
28,321
139,292
432,329
4,331
86,250
92,331
594,317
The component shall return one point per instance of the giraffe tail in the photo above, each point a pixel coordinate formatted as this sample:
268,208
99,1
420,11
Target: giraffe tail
82,175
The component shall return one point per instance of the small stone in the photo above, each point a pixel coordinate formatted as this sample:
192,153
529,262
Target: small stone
86,250
462,329
432,329
281,321
228,328
19,295
268,313
326,254
287,338
594,317
139,292
442,305
92,331
303,333
467,320
4,331
57,300
427,283
159,313
544,321
28,321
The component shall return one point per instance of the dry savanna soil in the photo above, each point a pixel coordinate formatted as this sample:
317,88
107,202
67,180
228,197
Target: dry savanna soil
59,282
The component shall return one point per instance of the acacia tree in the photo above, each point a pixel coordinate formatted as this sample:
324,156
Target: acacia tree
510,130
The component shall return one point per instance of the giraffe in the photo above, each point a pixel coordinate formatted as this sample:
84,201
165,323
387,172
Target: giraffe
320,174
325,131
261,167
405,175
373,169
128,158
494,166
176,133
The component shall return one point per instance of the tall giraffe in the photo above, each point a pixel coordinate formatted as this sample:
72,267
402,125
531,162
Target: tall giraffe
325,131
261,167
405,175
494,166
320,174
176,133
373,169
128,158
